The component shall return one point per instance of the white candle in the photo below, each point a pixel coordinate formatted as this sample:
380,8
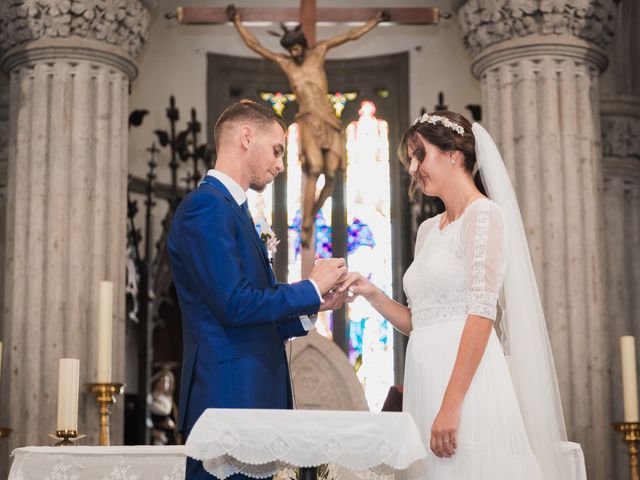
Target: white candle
629,378
105,331
68,389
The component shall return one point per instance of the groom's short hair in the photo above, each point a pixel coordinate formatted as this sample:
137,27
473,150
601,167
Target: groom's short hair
246,111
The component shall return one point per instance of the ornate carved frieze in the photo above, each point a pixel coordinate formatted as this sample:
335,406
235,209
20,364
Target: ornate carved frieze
122,23
486,22
621,137
620,117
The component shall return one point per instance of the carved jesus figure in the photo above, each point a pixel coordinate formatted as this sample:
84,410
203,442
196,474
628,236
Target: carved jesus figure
322,143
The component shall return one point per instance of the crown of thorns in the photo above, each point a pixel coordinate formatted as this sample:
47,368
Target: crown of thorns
290,37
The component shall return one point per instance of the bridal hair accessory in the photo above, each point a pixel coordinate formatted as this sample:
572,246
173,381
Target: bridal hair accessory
437,119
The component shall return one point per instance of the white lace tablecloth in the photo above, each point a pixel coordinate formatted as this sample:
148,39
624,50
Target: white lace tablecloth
259,443
98,463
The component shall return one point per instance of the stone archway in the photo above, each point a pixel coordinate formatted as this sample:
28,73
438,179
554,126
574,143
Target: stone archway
323,378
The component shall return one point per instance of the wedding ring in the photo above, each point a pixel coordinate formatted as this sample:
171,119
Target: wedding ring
445,441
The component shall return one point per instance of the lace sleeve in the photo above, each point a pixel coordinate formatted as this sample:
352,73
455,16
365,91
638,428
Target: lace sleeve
485,256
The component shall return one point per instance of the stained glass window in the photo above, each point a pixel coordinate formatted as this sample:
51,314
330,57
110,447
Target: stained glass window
368,208
279,100
339,101
369,244
294,216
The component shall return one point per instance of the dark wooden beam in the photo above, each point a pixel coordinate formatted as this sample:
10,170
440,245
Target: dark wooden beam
218,15
308,20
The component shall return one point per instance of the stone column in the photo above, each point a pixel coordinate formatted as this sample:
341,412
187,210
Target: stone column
539,65
4,148
620,112
70,63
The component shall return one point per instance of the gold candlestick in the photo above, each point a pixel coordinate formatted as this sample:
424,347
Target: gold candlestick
105,396
4,432
631,436
66,438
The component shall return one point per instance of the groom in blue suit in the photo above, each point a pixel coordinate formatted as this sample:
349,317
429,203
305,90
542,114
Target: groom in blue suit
235,316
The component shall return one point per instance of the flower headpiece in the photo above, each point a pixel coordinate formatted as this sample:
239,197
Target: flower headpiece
444,121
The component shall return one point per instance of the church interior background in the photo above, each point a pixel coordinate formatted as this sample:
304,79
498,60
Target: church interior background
106,114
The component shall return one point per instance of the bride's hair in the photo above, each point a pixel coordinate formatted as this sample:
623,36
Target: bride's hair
444,135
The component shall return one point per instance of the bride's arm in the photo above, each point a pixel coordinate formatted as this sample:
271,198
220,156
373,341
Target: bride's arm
484,244
398,315
473,343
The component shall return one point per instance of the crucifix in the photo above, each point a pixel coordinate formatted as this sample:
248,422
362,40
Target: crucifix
308,15
322,143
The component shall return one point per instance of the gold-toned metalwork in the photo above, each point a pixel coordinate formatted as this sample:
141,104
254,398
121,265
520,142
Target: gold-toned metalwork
66,438
105,394
631,436
4,432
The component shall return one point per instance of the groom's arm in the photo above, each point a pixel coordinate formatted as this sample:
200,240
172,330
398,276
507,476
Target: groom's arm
333,300
208,239
296,327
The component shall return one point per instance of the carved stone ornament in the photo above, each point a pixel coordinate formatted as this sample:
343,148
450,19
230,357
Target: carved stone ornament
487,22
122,23
621,137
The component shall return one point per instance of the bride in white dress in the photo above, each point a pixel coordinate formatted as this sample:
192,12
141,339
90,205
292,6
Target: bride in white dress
487,410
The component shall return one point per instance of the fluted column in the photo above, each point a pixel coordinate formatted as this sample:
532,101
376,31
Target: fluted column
70,64
539,65
4,148
620,112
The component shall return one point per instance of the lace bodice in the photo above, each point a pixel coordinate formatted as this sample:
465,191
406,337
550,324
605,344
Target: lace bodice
459,270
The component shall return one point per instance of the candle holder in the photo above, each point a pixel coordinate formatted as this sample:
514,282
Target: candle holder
4,432
105,394
631,436
66,438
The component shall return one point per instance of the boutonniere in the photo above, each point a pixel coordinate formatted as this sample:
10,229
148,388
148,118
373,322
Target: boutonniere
268,238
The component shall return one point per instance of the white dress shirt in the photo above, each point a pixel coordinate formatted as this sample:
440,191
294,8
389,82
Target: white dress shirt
240,196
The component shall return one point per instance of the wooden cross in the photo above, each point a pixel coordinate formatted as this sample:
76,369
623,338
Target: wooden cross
308,15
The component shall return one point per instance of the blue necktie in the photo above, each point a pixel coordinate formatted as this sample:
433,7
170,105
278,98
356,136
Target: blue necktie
245,209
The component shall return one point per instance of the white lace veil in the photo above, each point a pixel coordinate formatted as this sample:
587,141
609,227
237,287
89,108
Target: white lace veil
524,332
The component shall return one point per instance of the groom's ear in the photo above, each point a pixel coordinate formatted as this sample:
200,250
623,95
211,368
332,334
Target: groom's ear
246,136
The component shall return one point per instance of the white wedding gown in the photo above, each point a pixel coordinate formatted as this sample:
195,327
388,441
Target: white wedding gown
458,271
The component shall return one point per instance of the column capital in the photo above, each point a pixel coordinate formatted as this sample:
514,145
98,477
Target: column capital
114,27
69,49
489,22
561,46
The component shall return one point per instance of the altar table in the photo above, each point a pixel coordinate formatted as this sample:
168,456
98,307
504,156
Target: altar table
259,443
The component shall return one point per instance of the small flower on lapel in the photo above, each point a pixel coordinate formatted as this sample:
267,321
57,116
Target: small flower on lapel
268,238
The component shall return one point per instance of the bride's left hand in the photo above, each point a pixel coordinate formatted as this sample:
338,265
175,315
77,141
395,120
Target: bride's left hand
444,431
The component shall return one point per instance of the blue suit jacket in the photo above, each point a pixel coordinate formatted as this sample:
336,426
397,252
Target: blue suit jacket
235,316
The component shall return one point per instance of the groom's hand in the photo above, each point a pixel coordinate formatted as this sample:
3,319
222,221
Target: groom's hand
328,272
333,300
